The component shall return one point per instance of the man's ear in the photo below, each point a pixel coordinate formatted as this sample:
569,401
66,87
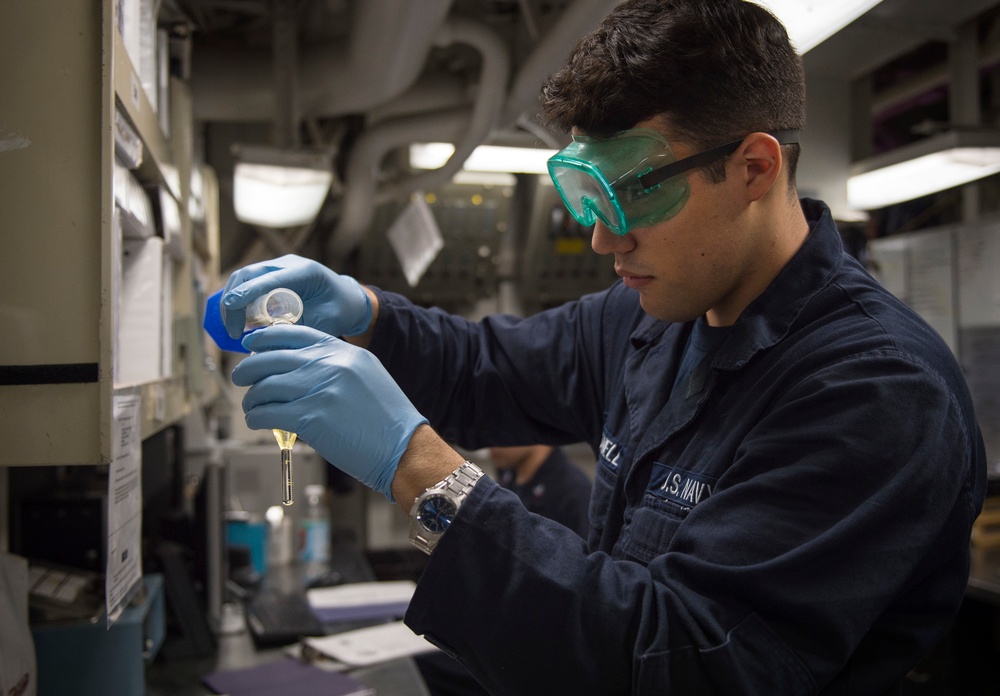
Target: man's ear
759,162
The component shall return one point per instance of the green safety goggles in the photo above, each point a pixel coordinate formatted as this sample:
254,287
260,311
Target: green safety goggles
631,179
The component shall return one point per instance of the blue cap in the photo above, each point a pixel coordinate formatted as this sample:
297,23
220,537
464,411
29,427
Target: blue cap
217,329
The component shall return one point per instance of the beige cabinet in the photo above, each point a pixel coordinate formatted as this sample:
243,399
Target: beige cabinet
65,74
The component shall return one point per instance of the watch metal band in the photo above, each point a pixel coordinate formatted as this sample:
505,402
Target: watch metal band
455,487
462,479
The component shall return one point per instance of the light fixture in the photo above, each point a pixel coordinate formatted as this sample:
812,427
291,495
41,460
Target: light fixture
274,187
810,22
485,158
499,179
928,166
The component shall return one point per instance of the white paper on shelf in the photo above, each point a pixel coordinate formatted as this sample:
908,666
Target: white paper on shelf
140,319
124,515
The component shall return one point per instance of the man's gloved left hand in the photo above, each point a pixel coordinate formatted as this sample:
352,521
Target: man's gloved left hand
338,398
333,303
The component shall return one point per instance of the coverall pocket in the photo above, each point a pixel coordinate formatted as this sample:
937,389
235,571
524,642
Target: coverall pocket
651,530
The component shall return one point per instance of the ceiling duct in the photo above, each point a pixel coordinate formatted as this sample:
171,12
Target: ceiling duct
386,53
467,128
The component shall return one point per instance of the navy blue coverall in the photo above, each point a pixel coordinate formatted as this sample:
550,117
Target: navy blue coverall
792,518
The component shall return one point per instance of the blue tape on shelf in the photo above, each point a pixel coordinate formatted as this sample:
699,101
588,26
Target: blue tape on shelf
216,329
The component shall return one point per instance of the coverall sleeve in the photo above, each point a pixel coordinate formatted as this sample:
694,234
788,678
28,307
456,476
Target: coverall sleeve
501,381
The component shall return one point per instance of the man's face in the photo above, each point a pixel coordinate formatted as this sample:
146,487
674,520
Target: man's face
693,264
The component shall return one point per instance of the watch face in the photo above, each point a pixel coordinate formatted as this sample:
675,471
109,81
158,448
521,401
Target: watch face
436,513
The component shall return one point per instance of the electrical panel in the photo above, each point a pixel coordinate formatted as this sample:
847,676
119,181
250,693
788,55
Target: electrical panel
547,257
473,220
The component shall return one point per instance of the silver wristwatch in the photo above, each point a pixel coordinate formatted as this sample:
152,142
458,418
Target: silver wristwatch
435,508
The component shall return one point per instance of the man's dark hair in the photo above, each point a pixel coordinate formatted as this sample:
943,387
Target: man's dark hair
717,70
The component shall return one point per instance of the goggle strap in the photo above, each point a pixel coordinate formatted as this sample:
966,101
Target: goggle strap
658,176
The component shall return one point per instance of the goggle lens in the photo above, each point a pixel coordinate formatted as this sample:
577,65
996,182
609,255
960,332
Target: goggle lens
585,196
598,179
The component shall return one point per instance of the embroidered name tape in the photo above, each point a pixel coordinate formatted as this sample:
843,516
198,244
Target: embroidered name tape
682,488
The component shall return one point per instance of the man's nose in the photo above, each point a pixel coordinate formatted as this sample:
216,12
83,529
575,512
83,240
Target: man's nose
604,241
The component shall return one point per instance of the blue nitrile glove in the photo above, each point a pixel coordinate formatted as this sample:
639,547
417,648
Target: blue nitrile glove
337,397
335,304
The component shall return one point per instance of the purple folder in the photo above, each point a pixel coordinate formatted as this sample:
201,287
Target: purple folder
285,677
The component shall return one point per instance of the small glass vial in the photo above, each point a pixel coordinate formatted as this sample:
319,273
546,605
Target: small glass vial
280,306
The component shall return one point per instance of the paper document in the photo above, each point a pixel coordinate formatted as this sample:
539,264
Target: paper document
359,601
124,513
369,646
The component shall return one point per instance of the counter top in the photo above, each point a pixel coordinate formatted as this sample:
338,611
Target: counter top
984,574
236,650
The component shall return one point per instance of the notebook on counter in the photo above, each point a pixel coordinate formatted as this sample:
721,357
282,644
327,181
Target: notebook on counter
276,618
362,601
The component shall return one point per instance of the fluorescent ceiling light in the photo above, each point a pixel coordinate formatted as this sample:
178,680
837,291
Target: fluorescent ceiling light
280,188
485,158
810,22
430,155
935,164
484,178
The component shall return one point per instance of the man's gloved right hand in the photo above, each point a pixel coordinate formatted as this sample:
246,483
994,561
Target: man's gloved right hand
335,304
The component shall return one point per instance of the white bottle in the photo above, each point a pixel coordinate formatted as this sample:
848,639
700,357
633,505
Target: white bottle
316,531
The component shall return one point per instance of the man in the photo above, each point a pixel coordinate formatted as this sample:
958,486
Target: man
547,483
788,464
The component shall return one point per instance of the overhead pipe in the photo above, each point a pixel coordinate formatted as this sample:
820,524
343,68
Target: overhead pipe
362,193
466,128
388,46
361,175
437,91
285,78
549,54
963,99
389,42
485,112
285,73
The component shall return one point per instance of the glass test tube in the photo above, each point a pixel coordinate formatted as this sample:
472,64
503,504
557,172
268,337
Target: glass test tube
280,306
